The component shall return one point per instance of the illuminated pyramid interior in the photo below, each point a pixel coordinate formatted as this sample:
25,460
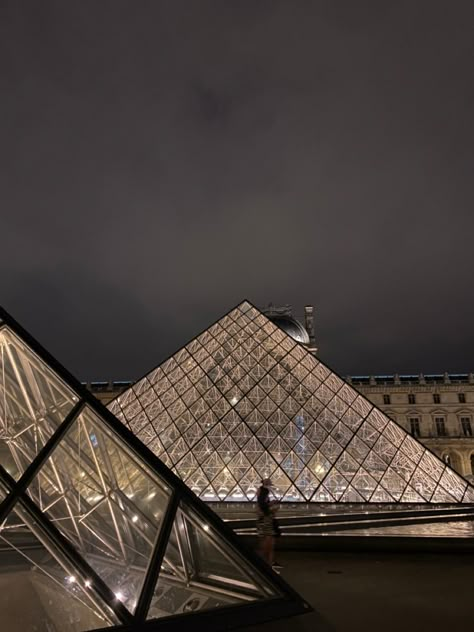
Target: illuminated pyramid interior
94,530
244,401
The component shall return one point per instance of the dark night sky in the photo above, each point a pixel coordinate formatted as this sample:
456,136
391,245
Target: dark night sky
163,160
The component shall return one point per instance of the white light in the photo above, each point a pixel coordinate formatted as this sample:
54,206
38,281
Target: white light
120,596
205,527
135,518
94,499
88,583
71,579
234,401
151,495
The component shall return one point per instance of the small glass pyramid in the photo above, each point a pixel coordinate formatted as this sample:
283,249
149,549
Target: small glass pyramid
243,401
95,531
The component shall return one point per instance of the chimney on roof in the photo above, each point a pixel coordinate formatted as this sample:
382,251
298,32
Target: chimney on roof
309,325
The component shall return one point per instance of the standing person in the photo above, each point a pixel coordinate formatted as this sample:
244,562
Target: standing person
266,530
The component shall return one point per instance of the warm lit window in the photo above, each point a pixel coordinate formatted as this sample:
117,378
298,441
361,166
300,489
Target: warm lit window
415,426
386,399
411,398
462,398
466,426
436,398
440,426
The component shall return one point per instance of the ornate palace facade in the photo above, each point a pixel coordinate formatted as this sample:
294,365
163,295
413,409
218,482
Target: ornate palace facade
437,409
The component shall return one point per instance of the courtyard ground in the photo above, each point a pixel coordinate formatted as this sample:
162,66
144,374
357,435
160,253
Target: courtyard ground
379,592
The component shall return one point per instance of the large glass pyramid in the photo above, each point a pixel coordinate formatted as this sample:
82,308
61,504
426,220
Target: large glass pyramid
244,401
94,530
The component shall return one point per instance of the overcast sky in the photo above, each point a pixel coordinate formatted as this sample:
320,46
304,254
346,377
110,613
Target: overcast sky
163,160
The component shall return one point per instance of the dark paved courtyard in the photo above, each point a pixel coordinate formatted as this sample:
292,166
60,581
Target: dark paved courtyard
380,592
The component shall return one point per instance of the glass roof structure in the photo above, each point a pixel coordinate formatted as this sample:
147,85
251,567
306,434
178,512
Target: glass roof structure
95,531
244,401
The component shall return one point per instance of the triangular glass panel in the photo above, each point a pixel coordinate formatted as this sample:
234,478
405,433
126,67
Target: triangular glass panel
319,465
381,496
351,495
210,494
266,433
212,466
239,465
35,402
411,496
58,597
307,482
250,482
322,495
292,466
178,450
209,570
336,483
442,496
265,464
188,464
104,501
364,484
358,449
223,483
305,449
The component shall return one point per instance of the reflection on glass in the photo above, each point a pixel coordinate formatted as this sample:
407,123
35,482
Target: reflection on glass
105,501
33,403
201,572
39,594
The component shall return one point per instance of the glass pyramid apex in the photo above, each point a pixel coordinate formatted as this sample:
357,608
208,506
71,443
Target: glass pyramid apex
244,401
95,531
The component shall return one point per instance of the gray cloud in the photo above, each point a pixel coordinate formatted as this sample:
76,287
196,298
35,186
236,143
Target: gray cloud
162,161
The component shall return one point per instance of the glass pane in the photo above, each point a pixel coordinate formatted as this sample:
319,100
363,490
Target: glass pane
33,403
39,590
3,492
7,458
105,501
200,571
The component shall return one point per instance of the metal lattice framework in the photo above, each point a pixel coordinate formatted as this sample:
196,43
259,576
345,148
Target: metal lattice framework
244,401
92,520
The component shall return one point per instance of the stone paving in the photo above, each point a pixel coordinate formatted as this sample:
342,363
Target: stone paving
379,592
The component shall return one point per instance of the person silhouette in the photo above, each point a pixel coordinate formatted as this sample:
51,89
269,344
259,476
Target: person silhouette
266,523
